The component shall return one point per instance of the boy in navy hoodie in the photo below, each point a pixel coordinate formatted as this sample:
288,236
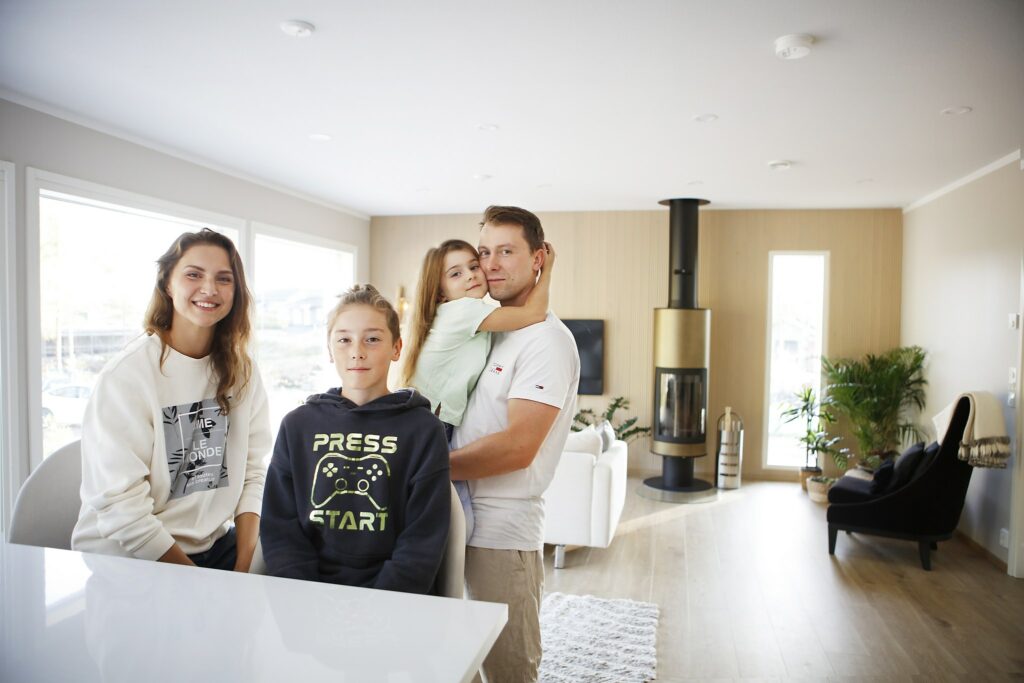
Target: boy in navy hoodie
358,492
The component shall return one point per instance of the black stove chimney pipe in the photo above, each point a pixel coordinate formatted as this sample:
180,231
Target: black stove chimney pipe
682,278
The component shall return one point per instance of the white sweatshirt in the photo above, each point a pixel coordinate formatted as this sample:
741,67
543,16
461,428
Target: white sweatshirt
160,463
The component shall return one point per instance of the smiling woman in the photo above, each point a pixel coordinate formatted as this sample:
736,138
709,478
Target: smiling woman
176,431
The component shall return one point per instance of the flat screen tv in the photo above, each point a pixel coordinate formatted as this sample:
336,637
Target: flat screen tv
589,335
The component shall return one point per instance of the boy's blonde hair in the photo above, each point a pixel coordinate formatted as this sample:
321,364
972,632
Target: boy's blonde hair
365,295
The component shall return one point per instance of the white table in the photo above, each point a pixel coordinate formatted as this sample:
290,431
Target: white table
68,616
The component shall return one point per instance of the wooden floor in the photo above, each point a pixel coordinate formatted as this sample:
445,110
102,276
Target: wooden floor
747,590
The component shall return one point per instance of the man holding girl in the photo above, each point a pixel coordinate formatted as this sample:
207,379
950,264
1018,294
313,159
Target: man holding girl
509,436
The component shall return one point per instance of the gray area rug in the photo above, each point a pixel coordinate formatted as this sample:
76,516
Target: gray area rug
597,640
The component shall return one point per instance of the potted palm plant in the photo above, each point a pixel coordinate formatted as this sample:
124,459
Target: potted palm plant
817,415
878,394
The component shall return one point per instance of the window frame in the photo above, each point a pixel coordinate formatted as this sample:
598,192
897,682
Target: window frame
14,463
37,181
20,339
275,231
766,397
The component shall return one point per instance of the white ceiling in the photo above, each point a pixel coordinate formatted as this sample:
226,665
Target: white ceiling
594,100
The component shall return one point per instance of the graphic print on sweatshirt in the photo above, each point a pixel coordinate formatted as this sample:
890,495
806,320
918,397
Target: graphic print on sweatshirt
351,490
196,438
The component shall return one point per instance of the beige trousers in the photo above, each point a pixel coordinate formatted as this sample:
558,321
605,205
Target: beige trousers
516,578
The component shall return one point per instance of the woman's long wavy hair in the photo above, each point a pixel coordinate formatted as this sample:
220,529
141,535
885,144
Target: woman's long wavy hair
428,298
230,351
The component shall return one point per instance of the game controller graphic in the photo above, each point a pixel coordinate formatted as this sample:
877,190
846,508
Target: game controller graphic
339,475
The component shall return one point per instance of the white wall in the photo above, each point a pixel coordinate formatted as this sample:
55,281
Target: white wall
961,279
30,138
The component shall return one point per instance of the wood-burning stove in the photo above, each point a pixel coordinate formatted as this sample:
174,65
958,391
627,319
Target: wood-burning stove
682,341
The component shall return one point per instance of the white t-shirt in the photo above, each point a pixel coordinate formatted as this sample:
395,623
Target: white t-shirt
453,356
160,463
537,363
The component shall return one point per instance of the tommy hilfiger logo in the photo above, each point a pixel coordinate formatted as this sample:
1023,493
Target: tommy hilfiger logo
496,368
538,386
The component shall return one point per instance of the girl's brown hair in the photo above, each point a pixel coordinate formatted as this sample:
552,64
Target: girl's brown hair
230,351
428,298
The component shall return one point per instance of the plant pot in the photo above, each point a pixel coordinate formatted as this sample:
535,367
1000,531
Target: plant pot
817,489
806,473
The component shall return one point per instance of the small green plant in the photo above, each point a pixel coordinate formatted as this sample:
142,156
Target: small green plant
626,431
817,416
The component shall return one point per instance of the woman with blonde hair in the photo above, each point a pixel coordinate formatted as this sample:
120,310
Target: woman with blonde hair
176,432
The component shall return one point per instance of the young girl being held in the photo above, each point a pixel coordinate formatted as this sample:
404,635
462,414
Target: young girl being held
449,335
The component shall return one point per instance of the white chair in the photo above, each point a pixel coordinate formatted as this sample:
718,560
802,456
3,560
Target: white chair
258,566
451,577
49,502
450,581
584,502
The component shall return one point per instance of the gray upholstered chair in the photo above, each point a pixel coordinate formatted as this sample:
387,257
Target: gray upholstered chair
49,502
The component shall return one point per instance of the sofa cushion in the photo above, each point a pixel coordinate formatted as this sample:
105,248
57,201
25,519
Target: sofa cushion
927,459
587,440
905,466
607,434
883,478
850,490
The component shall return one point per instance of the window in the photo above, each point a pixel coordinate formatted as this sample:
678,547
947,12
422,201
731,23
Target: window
96,271
796,326
297,283
10,464
92,250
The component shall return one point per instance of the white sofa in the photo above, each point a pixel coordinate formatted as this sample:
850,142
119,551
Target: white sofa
583,504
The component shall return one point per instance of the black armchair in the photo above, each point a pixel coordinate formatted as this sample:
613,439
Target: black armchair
926,510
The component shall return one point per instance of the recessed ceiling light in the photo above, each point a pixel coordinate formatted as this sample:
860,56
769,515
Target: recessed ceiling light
957,111
297,29
423,189
543,186
320,137
865,181
481,177
487,127
780,165
705,118
793,46
695,182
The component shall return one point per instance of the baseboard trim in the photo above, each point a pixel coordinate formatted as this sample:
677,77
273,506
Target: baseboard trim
982,550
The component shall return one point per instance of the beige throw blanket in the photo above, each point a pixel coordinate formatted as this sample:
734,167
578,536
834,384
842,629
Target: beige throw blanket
985,442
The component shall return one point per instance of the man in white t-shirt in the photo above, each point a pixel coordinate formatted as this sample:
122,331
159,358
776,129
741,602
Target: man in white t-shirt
510,441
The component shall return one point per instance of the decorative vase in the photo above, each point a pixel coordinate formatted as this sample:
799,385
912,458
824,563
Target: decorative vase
818,490
806,473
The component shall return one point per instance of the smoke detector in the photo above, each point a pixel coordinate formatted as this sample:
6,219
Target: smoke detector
297,29
793,46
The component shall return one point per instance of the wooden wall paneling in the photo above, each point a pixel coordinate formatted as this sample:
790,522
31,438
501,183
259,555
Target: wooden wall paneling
614,266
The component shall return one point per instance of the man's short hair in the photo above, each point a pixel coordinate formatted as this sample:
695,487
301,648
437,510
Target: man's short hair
533,233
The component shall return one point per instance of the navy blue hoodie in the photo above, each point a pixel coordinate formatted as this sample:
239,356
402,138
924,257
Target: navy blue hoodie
358,495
